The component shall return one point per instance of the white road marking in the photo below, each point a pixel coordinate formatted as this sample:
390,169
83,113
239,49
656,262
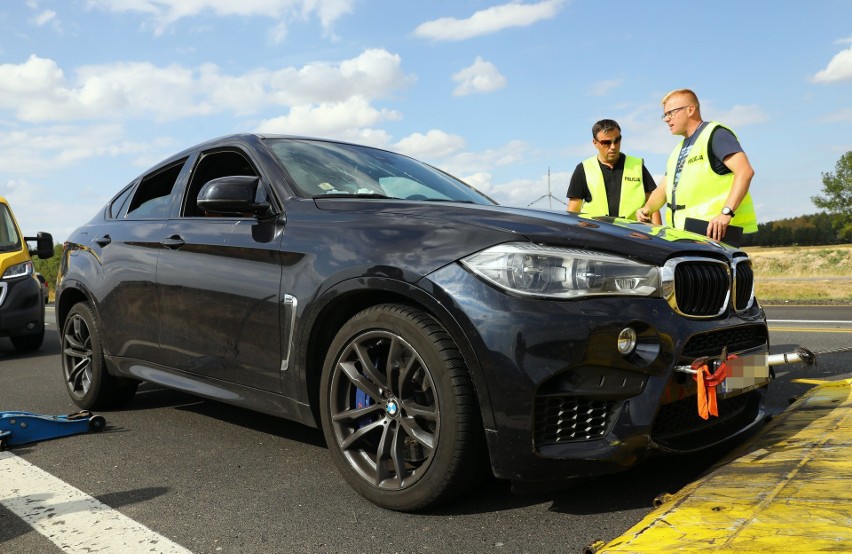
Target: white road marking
68,517
837,321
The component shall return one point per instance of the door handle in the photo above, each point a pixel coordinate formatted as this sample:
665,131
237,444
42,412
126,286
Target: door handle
174,242
103,241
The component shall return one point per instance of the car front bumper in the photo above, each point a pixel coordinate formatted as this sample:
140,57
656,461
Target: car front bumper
565,403
21,309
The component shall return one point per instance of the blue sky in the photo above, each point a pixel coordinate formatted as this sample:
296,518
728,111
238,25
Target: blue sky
93,92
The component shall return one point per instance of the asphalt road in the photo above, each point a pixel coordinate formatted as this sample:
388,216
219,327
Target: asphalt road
213,478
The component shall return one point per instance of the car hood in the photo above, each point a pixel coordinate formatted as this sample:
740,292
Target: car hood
648,243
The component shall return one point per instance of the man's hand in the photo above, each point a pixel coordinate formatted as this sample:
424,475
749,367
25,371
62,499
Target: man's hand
718,226
643,214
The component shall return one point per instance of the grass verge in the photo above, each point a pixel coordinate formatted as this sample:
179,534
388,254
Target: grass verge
803,274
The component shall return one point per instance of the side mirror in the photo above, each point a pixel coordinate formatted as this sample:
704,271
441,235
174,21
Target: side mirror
44,245
234,194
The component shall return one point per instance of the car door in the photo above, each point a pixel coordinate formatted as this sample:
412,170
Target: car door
218,286
127,246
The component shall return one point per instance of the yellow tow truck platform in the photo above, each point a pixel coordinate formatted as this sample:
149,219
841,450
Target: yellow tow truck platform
788,489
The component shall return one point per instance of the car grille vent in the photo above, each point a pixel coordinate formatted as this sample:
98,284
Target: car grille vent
743,286
701,288
736,339
560,419
678,425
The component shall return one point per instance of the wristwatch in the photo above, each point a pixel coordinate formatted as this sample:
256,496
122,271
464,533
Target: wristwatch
727,211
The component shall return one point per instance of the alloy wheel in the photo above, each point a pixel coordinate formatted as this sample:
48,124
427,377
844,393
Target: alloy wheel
77,356
384,410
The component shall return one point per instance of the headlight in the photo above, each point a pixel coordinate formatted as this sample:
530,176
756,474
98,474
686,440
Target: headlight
555,272
18,270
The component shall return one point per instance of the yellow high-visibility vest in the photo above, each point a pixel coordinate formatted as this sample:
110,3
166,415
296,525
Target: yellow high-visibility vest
701,192
632,191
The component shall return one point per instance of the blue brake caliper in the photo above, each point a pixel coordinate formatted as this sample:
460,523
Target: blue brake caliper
362,400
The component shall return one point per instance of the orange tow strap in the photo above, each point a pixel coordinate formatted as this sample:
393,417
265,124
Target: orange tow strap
707,383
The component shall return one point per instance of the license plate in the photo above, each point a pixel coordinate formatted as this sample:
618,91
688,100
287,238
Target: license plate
745,373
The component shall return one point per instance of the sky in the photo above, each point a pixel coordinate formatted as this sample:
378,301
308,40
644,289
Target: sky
502,94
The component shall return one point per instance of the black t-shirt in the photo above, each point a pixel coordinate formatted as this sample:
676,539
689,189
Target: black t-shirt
579,188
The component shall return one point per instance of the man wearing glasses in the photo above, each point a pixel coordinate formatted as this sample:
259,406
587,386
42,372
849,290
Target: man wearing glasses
707,175
610,183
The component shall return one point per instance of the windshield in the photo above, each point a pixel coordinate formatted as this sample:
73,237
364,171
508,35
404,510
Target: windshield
9,239
321,169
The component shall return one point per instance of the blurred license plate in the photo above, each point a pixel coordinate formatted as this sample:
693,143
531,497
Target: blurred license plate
745,373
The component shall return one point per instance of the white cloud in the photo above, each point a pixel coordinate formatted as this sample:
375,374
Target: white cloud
349,120
523,192
164,13
480,180
463,163
838,69
44,18
844,114
38,209
480,77
43,150
489,21
434,145
602,88
741,116
39,90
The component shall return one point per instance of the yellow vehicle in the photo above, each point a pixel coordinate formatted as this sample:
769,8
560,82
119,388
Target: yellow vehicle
21,293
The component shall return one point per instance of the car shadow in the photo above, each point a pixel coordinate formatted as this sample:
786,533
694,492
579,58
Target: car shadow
49,347
150,397
635,488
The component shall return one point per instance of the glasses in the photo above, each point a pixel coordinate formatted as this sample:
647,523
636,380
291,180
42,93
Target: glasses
608,143
670,113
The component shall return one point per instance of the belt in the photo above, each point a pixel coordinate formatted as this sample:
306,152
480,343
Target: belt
676,206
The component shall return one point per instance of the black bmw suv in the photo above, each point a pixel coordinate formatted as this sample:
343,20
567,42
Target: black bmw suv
429,332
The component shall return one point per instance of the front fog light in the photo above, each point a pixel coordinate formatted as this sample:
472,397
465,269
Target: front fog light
627,341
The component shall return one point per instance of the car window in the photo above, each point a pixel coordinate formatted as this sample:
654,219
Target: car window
212,165
324,168
151,199
119,202
9,239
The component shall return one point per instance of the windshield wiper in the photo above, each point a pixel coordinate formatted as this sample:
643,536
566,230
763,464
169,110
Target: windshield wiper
353,195
447,200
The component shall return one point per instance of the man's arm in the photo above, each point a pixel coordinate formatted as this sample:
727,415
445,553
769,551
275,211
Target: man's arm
575,204
650,186
743,173
655,201
577,189
656,219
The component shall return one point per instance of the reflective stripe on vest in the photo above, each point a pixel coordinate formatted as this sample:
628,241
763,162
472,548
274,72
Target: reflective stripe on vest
706,191
632,190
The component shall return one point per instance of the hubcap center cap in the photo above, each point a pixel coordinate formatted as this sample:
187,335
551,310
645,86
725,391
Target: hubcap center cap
392,408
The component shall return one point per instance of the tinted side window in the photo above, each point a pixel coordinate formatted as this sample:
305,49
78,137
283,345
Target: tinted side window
119,203
151,200
210,166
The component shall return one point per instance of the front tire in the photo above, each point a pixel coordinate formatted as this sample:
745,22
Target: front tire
86,378
398,410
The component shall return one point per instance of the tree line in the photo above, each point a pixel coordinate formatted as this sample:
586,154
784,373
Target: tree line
805,230
833,226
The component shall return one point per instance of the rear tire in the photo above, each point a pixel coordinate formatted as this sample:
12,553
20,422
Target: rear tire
86,378
398,410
